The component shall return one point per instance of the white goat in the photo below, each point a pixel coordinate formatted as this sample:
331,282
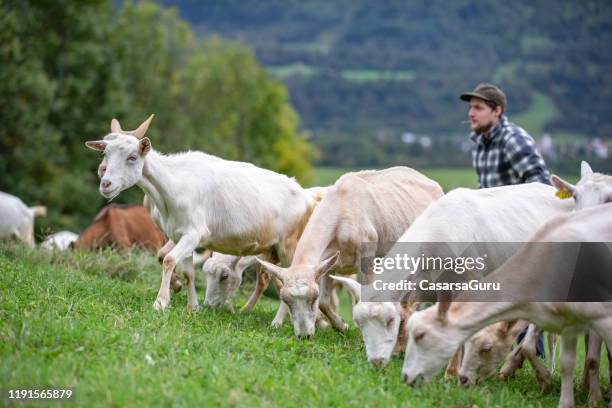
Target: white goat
591,189
434,334
60,240
223,273
205,201
484,350
223,277
17,219
487,216
372,207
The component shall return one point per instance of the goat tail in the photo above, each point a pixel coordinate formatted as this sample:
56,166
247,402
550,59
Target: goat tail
39,211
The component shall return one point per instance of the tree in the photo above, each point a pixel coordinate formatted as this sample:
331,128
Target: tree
68,67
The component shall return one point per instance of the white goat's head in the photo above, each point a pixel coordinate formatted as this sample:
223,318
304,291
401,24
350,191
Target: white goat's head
223,277
592,188
124,154
379,323
483,352
300,291
431,343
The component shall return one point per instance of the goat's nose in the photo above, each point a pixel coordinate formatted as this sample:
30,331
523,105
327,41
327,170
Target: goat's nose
378,362
463,380
105,184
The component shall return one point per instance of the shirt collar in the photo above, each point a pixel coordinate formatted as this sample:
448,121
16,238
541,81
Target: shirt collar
496,131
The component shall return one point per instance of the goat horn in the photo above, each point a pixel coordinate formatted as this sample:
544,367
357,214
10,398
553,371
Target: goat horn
142,129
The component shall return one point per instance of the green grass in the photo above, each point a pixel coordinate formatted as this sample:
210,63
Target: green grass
506,71
367,75
541,111
355,75
448,178
291,70
74,321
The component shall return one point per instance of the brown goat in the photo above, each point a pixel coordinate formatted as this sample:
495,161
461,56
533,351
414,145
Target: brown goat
121,226
124,227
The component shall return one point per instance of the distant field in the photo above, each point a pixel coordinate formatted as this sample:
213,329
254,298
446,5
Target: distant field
541,111
365,75
355,75
448,178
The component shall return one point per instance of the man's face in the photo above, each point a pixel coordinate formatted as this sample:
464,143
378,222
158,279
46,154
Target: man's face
482,117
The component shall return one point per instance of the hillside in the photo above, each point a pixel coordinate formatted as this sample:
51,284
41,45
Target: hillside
360,67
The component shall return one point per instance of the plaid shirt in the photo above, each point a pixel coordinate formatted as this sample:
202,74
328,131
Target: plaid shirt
507,156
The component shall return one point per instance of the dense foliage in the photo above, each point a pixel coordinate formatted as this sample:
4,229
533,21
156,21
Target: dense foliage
67,67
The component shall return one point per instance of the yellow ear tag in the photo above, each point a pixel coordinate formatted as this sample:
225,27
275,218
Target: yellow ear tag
563,194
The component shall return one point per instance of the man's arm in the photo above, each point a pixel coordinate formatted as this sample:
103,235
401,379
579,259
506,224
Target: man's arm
526,161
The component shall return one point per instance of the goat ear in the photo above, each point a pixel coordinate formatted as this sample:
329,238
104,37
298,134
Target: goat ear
351,285
272,269
585,169
144,146
326,265
115,126
561,184
506,327
142,129
98,145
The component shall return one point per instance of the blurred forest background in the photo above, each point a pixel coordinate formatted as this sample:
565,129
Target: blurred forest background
374,84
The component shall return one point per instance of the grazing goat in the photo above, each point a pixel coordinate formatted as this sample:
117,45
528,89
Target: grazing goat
223,277
372,207
591,189
17,219
486,216
60,240
205,201
434,333
224,273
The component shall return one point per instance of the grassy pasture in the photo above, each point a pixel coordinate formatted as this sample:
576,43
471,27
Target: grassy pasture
448,178
86,321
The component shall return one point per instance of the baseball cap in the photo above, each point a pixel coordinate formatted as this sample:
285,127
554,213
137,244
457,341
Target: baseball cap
487,92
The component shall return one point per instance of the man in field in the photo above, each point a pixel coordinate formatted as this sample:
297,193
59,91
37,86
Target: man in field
504,153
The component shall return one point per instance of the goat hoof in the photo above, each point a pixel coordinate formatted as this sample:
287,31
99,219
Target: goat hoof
343,327
244,309
322,324
276,324
160,304
594,399
545,385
